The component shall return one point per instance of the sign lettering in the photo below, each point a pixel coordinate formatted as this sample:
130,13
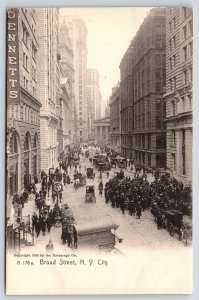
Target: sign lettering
13,80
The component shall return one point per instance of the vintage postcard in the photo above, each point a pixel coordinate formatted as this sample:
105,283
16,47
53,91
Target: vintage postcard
99,151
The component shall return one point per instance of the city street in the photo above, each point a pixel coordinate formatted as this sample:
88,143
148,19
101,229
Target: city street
136,233
144,252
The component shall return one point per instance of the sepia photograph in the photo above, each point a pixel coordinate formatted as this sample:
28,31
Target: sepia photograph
99,114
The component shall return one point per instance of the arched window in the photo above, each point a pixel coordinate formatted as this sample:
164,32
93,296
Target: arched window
35,142
13,144
26,142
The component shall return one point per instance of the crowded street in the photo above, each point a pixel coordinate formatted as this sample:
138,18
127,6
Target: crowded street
133,232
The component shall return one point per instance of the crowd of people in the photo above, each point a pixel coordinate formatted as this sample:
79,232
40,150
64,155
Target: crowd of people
137,194
134,195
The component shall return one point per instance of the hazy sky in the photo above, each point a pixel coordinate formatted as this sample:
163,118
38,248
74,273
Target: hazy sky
110,31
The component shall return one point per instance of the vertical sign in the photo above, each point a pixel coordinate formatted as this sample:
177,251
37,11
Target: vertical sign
13,81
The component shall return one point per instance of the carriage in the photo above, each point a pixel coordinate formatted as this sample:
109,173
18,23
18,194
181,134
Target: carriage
82,179
103,166
98,235
90,173
172,219
121,163
90,194
113,162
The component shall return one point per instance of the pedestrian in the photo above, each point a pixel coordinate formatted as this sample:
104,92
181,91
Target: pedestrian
75,237
34,221
107,174
138,211
159,221
37,227
48,223
100,187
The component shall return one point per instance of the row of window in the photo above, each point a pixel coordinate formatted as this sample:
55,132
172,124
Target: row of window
187,51
26,87
187,77
187,30
29,115
27,144
183,105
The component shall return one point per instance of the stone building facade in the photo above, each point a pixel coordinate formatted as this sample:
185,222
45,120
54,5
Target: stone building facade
178,97
102,131
67,85
49,85
94,99
115,119
78,36
23,105
143,134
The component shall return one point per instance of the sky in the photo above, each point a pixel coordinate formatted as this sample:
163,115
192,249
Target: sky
110,31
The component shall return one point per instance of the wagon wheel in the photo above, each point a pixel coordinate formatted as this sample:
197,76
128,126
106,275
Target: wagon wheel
171,229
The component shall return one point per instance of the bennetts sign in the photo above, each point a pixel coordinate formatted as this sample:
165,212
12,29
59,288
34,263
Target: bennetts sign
13,80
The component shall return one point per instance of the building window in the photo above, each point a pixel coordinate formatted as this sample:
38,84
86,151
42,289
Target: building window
34,51
191,49
174,61
174,42
26,142
190,74
185,53
157,73
170,45
191,27
174,161
189,99
184,32
170,63
174,83
149,160
158,122
149,142
170,26
160,142
143,141
174,22
173,137
158,86
185,77
183,103
170,84
172,108
13,144
25,35
184,12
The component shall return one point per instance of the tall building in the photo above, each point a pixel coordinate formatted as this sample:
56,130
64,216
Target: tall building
142,86
67,85
178,97
107,110
93,98
49,84
78,36
115,119
23,105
